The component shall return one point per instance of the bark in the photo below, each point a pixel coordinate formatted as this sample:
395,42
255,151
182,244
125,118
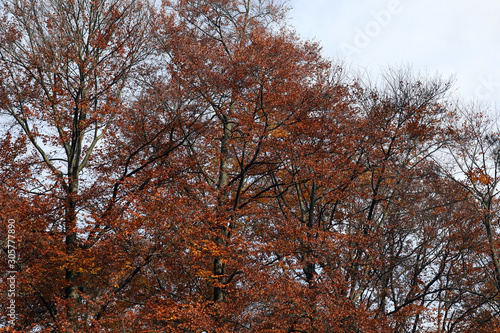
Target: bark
219,269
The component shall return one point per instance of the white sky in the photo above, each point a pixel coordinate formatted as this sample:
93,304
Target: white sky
459,38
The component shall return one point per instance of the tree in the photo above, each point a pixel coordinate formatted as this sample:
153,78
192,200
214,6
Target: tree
65,69
474,166
246,86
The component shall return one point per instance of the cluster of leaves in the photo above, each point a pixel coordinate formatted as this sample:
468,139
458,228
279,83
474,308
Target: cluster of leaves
196,167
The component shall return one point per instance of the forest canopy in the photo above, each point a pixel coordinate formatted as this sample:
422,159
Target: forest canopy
195,166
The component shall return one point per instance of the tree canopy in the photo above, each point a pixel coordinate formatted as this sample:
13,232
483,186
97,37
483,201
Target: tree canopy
195,166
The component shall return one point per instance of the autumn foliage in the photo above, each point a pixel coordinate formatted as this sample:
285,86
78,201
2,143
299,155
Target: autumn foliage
194,166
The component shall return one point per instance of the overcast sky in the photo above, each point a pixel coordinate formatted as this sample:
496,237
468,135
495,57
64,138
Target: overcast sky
459,38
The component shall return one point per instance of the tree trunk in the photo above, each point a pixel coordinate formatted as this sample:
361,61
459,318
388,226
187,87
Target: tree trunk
219,269
70,226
